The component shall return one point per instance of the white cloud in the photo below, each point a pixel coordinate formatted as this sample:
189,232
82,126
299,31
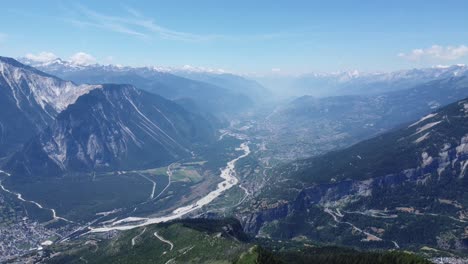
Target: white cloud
82,58
134,23
41,57
436,52
276,70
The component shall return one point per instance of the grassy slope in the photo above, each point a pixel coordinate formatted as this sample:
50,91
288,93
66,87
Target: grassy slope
205,241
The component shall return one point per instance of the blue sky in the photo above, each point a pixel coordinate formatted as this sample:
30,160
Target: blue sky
242,36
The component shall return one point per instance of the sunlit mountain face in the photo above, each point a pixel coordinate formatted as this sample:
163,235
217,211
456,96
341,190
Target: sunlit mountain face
234,132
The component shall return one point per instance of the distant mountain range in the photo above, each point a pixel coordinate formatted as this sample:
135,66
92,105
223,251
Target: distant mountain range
358,83
373,83
212,91
234,83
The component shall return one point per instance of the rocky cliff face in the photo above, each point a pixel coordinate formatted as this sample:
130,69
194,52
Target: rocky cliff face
117,127
29,101
253,222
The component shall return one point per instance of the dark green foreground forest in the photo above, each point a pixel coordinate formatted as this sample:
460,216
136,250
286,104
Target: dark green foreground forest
206,241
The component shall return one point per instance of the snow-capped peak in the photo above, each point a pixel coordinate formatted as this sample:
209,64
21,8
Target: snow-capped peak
51,63
437,71
190,68
48,91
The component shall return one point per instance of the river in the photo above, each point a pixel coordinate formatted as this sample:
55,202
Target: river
230,180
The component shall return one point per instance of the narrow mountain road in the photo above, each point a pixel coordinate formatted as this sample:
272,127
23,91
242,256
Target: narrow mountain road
137,236
20,197
369,236
6,173
335,215
151,196
169,175
247,194
164,240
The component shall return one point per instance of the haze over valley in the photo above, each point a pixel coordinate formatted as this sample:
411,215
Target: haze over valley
326,155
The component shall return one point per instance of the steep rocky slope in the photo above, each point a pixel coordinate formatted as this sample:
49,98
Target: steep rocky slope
117,127
29,101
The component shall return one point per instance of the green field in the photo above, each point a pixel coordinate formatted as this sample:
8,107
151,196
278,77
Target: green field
187,172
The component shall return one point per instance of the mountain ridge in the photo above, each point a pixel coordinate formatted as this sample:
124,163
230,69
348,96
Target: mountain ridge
228,96
30,99
116,127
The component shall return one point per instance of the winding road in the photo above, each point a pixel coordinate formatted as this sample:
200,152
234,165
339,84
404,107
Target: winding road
20,197
154,186
370,237
164,240
137,236
169,175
